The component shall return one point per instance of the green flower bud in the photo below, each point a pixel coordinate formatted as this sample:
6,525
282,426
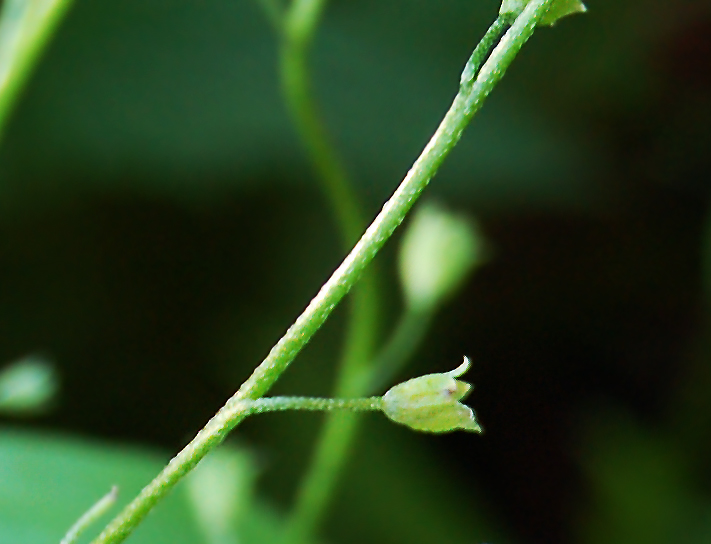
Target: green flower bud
27,386
430,403
438,250
220,491
559,8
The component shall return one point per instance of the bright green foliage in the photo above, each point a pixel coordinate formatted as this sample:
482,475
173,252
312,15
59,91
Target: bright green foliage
559,8
438,251
430,403
48,482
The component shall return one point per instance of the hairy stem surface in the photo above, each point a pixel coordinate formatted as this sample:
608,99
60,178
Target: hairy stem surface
339,433
467,102
314,404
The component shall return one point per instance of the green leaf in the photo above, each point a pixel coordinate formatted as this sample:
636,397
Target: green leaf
48,481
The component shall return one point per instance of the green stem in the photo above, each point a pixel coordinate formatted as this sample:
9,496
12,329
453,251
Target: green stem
336,439
319,481
314,404
483,48
295,86
403,343
298,32
25,28
340,429
90,516
303,18
301,21
467,102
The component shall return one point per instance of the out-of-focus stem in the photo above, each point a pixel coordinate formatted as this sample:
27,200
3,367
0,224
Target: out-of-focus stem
467,102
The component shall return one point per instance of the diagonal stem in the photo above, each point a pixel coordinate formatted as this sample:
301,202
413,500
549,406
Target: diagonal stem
297,34
339,432
467,102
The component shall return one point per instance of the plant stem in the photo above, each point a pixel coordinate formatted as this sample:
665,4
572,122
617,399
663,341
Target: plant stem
340,428
339,432
25,28
483,48
401,346
467,102
319,481
314,404
90,516
298,31
299,25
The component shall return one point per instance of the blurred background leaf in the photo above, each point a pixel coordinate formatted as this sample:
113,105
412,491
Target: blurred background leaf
49,481
145,94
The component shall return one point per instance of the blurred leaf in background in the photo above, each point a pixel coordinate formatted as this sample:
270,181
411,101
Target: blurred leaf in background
49,481
182,99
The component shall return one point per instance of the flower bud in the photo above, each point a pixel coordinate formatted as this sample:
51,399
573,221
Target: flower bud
438,251
430,403
220,491
27,386
559,8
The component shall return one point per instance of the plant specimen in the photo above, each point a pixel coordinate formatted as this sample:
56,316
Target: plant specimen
428,403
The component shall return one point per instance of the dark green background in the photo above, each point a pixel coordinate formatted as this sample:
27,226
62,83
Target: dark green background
160,228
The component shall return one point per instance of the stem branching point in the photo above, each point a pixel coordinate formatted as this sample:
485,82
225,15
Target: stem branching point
467,102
